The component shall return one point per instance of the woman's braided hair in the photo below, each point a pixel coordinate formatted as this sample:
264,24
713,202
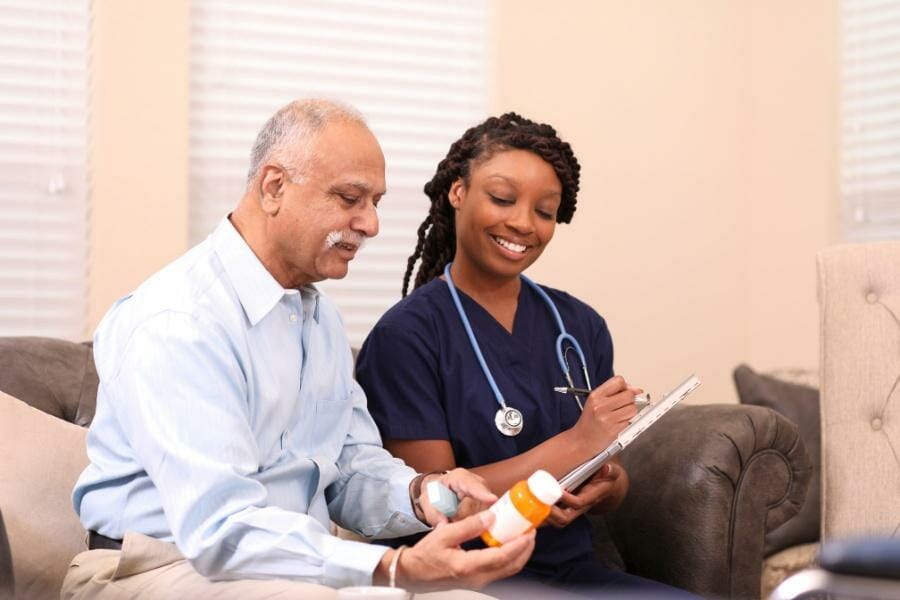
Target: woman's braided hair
436,245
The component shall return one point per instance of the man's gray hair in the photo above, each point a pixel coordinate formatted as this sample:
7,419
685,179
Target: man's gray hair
286,136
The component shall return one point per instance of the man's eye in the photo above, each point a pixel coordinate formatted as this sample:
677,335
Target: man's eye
349,199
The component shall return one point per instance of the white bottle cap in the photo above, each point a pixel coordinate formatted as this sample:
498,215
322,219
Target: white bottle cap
545,487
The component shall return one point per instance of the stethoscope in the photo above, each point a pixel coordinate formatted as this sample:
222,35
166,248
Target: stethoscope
508,419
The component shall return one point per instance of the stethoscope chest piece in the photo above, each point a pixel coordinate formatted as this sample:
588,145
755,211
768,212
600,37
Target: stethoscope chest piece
508,421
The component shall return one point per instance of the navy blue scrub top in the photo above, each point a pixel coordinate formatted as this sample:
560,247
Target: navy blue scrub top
423,382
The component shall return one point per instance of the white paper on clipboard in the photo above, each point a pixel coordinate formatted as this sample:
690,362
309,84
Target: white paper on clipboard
642,421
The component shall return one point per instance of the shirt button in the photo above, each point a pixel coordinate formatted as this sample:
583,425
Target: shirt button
292,318
876,423
871,297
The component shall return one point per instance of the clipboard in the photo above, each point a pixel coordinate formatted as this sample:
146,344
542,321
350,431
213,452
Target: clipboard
642,421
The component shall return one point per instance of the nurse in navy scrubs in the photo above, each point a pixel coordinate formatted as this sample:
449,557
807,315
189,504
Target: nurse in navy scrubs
484,399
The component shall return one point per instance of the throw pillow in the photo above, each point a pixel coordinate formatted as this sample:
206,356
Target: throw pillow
41,456
800,404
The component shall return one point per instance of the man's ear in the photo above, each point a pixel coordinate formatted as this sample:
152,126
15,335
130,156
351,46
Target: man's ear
271,188
456,193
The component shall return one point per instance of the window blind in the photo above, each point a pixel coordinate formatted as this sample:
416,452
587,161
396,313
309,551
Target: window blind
416,70
44,56
870,118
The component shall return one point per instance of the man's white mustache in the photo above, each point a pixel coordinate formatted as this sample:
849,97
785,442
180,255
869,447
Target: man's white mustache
347,237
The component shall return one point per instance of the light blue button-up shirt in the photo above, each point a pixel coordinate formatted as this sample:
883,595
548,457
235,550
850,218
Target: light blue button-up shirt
229,423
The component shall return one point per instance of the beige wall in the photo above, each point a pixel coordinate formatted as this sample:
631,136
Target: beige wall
139,144
706,133
706,130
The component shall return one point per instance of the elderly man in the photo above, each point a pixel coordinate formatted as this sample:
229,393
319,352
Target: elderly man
229,431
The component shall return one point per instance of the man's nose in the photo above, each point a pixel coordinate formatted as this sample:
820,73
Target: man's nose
366,221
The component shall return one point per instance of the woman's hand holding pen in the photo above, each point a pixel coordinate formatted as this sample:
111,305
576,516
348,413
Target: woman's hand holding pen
608,410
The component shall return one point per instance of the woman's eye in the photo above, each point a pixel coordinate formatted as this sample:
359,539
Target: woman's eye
501,201
546,214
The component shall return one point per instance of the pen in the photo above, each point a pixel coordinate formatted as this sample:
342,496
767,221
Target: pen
641,400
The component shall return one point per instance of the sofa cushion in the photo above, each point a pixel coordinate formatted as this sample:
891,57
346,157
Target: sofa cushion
55,376
40,458
785,563
800,404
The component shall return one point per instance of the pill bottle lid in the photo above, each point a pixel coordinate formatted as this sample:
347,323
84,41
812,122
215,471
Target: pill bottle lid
545,487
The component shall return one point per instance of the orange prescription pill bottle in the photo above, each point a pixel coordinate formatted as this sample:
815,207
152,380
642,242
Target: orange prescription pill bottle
524,506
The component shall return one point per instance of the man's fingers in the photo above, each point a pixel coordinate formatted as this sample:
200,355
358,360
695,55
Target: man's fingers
467,484
503,560
435,517
479,492
456,533
516,552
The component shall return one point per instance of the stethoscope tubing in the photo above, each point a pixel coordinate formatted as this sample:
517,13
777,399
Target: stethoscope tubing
564,336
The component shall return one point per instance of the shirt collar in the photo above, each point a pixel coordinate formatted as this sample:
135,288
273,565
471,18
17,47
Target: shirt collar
257,290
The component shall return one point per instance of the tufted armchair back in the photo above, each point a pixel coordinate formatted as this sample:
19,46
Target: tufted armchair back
859,308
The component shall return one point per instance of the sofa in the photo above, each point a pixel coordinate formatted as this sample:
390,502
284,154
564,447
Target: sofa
708,482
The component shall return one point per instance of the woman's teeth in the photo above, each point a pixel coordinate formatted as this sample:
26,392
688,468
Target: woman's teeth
510,245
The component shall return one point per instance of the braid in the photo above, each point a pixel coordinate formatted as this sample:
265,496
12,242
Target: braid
436,244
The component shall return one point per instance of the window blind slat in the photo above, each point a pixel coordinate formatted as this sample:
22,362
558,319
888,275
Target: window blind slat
43,167
417,70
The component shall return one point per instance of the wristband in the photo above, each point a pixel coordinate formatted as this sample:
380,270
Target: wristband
392,569
415,492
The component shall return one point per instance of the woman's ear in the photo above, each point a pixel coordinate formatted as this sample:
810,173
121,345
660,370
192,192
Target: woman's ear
456,193
271,189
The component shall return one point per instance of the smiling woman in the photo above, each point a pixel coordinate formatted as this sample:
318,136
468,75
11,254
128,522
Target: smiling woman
438,364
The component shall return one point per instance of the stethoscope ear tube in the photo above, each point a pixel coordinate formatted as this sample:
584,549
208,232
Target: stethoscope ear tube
564,336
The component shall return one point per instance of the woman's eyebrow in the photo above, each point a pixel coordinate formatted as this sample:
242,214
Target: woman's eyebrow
512,182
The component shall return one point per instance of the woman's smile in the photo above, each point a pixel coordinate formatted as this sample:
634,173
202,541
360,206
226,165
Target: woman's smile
509,248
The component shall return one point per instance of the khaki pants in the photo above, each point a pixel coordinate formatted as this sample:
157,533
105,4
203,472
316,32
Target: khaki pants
149,569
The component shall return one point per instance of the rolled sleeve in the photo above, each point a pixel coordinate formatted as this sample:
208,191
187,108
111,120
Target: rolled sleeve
367,469
352,563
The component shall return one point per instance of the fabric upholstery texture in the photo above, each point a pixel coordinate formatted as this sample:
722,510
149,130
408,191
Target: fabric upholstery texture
55,376
800,404
41,456
859,308
785,563
706,486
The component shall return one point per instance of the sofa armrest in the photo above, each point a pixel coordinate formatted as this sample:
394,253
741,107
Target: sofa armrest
707,484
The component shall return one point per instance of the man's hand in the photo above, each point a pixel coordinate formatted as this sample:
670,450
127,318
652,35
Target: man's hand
437,561
470,488
604,491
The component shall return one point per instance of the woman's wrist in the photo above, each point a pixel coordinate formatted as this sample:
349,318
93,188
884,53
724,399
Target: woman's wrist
578,444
